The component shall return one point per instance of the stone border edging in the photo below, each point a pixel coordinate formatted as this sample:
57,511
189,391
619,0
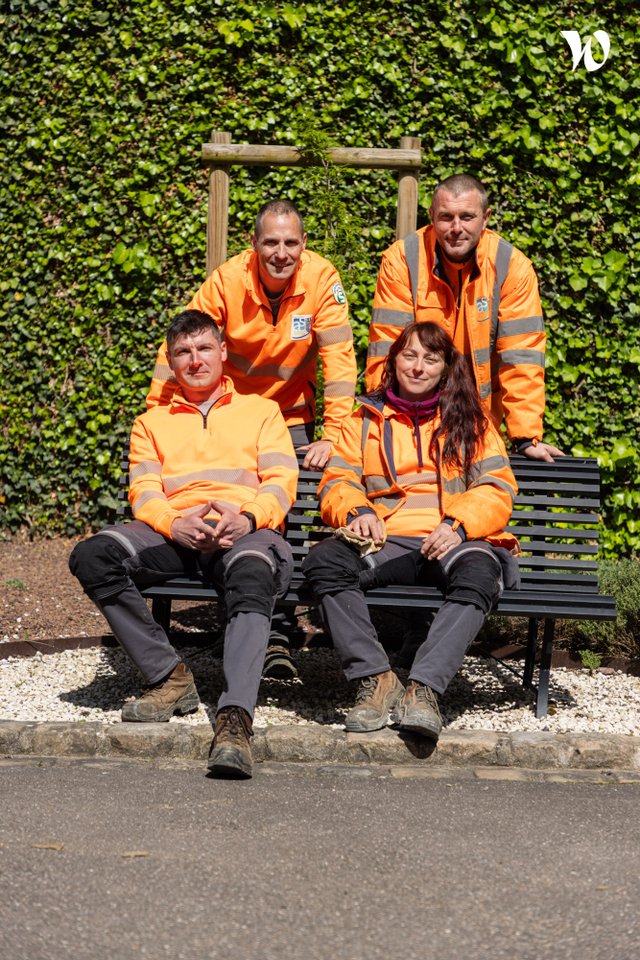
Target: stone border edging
316,744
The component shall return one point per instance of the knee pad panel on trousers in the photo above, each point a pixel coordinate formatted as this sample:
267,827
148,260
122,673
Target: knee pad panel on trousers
249,587
98,563
332,566
475,578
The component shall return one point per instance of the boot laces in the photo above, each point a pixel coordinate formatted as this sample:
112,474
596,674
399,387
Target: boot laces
366,689
232,725
426,695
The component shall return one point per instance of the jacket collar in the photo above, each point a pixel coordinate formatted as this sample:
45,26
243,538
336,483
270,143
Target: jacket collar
253,284
438,265
179,401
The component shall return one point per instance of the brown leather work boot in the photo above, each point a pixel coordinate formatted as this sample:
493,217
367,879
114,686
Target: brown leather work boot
418,711
375,698
176,694
230,754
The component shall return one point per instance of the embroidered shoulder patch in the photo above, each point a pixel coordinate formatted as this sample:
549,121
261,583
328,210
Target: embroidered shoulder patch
338,293
301,326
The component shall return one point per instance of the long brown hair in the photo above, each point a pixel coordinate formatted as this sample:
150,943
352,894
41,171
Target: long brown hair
463,422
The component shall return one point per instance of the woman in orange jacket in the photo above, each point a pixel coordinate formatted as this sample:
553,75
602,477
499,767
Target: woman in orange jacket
420,488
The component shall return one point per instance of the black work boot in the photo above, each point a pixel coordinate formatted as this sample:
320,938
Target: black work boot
418,711
230,754
175,694
375,698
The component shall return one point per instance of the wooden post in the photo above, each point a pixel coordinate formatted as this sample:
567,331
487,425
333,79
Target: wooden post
407,212
218,213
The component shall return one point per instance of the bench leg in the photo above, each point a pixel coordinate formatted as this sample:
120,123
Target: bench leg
161,612
530,657
545,669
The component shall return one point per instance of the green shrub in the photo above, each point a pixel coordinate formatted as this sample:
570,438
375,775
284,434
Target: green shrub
620,638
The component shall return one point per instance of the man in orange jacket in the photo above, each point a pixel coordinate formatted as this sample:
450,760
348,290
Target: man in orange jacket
484,293
280,305
213,474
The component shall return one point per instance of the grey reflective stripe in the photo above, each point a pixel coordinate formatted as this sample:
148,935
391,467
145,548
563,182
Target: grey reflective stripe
337,461
426,500
477,547
146,497
480,467
145,466
495,482
375,483
485,391
391,318
343,334
270,369
412,256
259,554
387,435
162,371
482,355
391,501
245,478
268,460
408,478
121,538
456,485
339,388
514,328
503,258
379,348
281,495
366,426
514,357
332,483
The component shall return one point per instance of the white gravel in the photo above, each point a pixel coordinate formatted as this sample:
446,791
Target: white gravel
91,684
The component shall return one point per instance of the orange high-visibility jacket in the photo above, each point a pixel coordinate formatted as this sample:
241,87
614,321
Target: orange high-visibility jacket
375,466
499,307
240,453
279,360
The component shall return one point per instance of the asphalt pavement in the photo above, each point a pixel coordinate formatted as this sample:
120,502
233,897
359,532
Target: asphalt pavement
118,859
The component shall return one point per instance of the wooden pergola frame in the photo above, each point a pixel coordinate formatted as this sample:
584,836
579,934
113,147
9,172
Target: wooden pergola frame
221,154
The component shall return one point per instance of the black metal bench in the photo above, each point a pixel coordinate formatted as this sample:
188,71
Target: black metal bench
556,518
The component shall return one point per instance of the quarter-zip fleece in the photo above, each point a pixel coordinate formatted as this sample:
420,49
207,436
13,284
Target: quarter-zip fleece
239,453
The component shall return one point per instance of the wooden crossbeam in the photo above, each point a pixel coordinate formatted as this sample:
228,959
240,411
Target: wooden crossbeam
220,155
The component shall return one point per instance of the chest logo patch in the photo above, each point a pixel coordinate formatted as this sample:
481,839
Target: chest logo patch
482,304
301,326
338,293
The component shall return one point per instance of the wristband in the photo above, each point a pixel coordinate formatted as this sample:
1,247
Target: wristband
251,518
457,526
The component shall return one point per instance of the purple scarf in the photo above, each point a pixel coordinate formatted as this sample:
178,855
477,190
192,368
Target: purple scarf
418,410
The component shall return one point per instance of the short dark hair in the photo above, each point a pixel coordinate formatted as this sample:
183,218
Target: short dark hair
189,322
281,208
461,183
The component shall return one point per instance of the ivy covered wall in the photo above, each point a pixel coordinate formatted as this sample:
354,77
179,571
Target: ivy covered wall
103,198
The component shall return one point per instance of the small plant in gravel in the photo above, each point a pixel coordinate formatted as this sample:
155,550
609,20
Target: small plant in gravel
16,584
590,660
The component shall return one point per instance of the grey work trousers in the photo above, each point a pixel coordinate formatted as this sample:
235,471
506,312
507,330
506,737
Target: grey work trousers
454,626
252,573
